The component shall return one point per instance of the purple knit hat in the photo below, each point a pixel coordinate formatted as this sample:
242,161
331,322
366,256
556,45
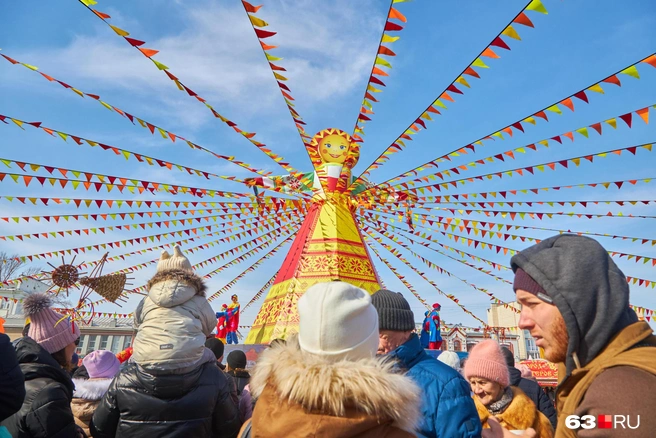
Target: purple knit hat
101,364
51,330
486,361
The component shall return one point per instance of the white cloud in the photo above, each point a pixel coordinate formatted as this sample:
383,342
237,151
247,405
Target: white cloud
327,50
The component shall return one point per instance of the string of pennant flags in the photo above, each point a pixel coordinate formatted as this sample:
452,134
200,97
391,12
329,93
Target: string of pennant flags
519,126
643,113
251,268
124,227
259,293
401,232
371,218
166,134
451,297
506,236
132,185
228,213
401,278
462,223
535,190
430,264
378,68
270,228
523,171
258,26
265,203
456,86
271,238
149,53
151,161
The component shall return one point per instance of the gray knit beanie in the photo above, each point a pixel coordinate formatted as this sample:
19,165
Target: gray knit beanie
393,311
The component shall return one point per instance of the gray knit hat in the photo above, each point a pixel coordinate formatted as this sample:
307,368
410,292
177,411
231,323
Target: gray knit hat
393,311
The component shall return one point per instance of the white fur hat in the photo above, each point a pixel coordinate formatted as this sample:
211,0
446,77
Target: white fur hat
338,321
177,261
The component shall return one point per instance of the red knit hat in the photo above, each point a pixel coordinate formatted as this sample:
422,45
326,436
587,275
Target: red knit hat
486,361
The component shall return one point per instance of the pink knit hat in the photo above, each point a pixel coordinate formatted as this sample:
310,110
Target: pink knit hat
101,364
486,361
51,330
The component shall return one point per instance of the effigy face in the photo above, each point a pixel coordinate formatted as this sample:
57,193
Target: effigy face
334,149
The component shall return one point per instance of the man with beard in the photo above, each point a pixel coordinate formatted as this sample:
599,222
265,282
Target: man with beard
575,303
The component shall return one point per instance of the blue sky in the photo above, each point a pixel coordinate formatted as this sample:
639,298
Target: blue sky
328,48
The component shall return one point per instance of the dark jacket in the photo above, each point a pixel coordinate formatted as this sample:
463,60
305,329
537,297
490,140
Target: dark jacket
195,404
535,393
46,411
241,378
12,385
447,408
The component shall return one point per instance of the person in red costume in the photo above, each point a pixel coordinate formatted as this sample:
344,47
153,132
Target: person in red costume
222,324
233,320
434,337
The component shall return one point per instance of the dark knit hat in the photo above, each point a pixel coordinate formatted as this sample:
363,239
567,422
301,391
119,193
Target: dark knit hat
525,282
393,311
216,346
237,359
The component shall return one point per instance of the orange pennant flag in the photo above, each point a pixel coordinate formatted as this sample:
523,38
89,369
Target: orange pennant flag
394,13
644,114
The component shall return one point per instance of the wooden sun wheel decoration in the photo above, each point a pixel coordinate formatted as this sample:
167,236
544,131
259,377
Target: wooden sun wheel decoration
64,277
68,275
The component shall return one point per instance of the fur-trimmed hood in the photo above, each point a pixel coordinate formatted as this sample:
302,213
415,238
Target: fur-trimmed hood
91,389
174,287
520,414
368,386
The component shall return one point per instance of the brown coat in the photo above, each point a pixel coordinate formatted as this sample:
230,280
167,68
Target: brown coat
621,380
301,395
86,398
519,415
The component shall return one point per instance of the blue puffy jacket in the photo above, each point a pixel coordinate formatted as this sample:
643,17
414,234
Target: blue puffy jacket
447,407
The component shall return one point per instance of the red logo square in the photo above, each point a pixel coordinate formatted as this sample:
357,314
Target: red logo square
605,421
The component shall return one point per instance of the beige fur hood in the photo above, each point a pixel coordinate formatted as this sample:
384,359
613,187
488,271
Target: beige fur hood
369,386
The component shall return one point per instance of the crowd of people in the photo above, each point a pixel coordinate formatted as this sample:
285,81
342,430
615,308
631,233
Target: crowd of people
356,368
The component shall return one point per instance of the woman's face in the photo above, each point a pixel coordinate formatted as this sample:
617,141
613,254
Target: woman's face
69,350
487,391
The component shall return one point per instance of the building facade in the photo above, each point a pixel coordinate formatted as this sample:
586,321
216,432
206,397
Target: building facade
101,333
501,316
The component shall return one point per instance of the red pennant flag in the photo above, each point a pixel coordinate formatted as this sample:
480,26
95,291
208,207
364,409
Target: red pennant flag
627,118
581,95
133,42
392,27
498,42
264,33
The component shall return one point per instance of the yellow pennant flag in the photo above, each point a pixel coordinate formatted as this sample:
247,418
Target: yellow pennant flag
119,31
537,6
596,88
31,67
511,32
631,71
381,61
389,39
257,22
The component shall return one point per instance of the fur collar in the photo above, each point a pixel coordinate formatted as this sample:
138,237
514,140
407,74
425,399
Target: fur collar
520,413
188,278
91,389
315,383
